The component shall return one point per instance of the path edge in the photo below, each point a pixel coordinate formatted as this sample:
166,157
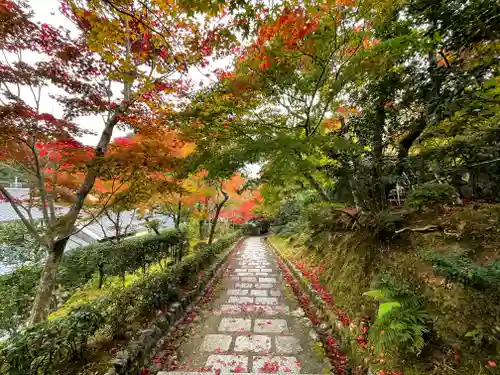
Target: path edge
137,354
332,326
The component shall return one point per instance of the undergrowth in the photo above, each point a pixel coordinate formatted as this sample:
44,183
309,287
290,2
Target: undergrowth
431,299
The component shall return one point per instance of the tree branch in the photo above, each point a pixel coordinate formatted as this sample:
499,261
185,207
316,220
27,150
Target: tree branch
25,221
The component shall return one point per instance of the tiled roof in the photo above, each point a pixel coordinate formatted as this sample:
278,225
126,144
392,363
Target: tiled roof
88,233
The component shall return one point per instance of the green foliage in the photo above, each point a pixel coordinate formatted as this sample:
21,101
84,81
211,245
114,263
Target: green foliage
78,266
18,288
323,216
38,349
400,325
460,268
17,246
45,347
17,292
386,224
431,194
152,225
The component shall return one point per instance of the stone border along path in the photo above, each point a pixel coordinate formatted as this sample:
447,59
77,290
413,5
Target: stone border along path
254,324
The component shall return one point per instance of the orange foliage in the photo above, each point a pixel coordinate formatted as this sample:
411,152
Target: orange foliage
243,207
332,124
291,28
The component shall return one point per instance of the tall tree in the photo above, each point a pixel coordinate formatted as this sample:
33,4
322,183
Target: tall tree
116,64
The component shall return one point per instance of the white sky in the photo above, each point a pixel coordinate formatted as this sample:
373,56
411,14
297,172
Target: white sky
47,11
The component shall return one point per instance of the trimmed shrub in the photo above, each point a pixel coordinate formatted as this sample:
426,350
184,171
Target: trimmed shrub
50,345
115,259
17,292
18,288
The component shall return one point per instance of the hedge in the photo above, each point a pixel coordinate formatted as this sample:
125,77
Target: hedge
18,288
115,259
17,292
48,346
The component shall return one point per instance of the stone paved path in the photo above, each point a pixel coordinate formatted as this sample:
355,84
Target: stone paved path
254,324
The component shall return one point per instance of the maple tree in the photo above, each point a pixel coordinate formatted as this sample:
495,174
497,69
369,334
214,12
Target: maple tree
321,95
284,84
125,64
180,202
202,197
245,207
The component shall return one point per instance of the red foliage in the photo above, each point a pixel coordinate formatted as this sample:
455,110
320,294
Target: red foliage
331,347
291,27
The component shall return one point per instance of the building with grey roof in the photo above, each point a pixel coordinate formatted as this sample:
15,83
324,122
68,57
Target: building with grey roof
88,231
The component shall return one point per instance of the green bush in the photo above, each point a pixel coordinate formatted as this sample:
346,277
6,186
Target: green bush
462,269
431,194
18,288
386,224
17,292
78,266
48,346
400,324
323,216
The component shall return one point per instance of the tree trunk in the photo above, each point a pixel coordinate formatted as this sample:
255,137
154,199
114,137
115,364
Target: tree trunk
216,217
177,218
41,306
153,227
179,253
379,192
201,229
101,276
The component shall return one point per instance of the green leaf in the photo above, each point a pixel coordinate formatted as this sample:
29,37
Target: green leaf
377,294
386,308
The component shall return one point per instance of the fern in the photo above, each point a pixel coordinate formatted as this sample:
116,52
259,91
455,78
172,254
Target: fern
401,324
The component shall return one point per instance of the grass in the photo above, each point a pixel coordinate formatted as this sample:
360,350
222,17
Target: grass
91,292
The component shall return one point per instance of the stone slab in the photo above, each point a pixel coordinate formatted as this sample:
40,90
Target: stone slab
253,343
263,286
240,300
216,342
244,285
248,279
227,363
235,325
270,326
287,345
237,292
275,365
271,301
261,309
267,280
258,292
